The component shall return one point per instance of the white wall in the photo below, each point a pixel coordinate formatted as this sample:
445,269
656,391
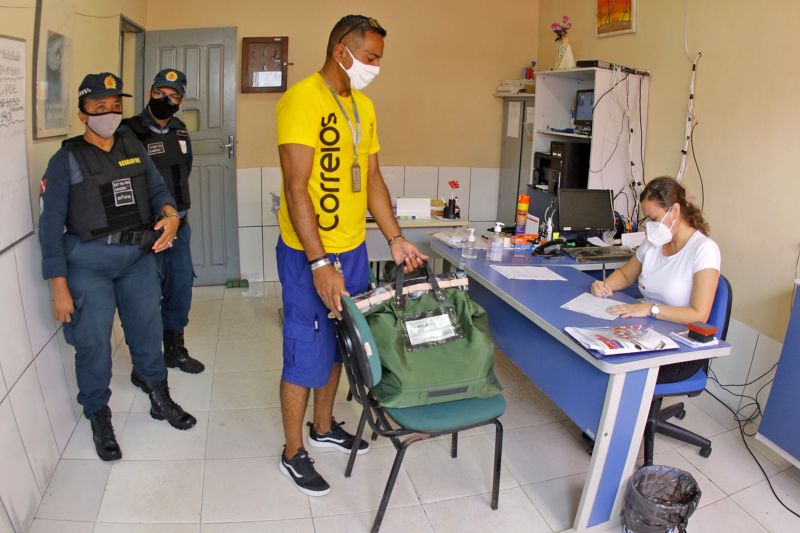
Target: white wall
258,225
38,410
38,389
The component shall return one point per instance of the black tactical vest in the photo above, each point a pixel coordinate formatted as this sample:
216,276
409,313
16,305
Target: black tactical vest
171,160
113,195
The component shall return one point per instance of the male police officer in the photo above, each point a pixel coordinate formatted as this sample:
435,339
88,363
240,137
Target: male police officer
106,191
328,149
168,144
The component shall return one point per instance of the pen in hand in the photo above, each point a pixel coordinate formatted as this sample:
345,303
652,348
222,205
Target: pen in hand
605,289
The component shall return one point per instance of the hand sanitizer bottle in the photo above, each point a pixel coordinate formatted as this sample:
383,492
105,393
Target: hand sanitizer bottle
469,251
495,253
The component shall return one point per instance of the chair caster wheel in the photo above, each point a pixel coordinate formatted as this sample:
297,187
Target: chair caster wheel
706,451
680,415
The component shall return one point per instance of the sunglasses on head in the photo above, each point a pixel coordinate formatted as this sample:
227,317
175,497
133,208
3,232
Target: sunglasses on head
362,22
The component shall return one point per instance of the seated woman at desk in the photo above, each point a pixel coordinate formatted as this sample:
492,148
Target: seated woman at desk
677,267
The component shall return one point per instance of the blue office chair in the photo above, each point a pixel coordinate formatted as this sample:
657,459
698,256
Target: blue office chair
362,365
657,419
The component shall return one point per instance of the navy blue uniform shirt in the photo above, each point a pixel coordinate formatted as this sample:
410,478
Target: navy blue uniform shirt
58,178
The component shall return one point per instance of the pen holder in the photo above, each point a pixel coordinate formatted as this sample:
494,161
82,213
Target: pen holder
450,209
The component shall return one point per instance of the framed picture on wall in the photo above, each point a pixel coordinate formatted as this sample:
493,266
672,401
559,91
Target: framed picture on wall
52,50
615,17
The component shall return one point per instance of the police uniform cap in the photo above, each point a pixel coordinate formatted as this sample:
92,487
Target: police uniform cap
100,85
172,78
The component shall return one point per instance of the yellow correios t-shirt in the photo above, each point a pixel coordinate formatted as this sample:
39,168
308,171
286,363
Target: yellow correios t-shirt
308,114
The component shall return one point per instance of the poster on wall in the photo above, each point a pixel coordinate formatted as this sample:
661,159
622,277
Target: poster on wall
16,219
51,83
615,17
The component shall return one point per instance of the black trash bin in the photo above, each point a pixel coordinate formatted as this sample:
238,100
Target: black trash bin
660,499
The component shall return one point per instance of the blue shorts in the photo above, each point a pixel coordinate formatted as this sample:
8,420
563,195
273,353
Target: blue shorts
309,337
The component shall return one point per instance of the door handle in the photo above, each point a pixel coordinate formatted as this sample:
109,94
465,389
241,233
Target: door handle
231,146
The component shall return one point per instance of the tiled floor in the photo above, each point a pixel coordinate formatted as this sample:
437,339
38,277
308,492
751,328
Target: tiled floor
222,476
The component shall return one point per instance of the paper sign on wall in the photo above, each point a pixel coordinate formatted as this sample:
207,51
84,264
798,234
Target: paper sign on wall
514,114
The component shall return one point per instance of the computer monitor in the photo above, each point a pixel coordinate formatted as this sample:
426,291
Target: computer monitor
584,102
585,210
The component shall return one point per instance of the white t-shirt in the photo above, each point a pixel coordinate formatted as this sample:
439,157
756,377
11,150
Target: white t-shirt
669,280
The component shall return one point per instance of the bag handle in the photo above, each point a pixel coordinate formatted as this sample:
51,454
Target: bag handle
400,298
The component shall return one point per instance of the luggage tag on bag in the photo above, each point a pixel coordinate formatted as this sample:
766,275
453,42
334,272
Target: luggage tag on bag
432,328
356,170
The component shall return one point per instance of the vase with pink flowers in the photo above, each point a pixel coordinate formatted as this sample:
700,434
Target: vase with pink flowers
564,57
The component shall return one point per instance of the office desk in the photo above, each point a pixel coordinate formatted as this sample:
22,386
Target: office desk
608,398
525,258
416,231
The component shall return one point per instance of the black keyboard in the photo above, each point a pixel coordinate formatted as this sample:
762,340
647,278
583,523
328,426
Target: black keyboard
595,254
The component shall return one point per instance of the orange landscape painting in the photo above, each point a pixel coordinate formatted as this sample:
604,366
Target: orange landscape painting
615,17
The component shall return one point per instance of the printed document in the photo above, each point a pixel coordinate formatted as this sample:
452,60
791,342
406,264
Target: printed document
591,305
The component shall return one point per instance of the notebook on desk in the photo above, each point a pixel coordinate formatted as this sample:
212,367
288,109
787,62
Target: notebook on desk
593,254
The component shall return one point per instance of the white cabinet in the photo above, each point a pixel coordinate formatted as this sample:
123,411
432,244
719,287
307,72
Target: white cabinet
619,125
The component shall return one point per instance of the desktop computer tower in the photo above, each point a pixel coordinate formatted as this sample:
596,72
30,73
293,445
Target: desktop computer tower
541,162
569,165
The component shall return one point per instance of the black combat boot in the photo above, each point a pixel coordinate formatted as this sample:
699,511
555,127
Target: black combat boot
105,442
177,356
162,406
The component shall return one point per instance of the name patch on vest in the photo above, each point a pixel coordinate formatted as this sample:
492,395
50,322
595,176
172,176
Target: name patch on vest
155,148
130,161
123,192
183,146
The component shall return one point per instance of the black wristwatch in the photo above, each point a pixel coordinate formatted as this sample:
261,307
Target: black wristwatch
654,310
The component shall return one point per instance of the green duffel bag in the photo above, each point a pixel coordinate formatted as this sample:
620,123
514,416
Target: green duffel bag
434,347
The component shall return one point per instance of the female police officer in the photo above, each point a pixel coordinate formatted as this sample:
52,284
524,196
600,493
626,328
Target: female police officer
104,189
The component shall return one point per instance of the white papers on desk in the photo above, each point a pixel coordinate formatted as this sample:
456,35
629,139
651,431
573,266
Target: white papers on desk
591,305
632,240
597,241
528,273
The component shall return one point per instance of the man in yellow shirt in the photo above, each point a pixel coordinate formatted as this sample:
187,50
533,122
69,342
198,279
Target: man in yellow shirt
328,147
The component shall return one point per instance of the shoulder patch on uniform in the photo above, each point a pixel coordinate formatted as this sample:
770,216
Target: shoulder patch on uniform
155,148
181,132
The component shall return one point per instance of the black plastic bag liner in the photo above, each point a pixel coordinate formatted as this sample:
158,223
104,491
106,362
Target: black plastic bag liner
660,499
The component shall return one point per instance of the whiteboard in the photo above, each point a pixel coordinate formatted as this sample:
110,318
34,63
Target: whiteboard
16,218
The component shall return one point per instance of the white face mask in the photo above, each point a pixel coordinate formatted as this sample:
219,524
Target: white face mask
104,124
657,232
360,74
